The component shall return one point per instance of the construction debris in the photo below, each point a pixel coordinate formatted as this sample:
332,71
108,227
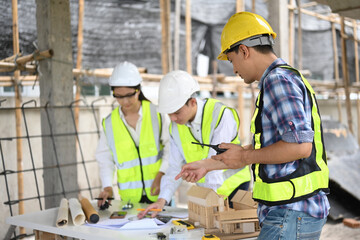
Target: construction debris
351,222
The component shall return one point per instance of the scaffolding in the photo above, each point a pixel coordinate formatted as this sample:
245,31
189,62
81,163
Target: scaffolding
338,89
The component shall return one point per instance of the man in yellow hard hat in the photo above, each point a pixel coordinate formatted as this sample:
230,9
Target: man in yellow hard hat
287,154
205,121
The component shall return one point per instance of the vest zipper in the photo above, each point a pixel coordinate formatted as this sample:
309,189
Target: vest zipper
141,171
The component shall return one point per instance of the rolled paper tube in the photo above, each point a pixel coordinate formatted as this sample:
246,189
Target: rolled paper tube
63,213
91,214
77,214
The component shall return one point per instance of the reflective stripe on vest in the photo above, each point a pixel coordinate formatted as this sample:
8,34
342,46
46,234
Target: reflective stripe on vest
136,167
212,113
312,174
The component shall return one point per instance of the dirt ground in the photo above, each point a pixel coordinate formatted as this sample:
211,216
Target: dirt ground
338,231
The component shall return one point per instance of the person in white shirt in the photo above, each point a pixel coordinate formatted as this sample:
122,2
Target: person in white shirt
134,141
193,119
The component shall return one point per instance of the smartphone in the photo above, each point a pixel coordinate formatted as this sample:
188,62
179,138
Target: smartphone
184,223
164,219
118,214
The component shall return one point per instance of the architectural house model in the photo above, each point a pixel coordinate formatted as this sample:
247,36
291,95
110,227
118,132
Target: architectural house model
209,210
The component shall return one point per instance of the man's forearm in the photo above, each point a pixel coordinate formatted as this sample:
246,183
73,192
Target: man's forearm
277,153
211,164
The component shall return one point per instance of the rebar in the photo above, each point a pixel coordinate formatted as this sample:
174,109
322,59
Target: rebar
30,149
34,170
78,140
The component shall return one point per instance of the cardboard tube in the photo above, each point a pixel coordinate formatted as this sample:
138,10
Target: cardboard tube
63,213
91,214
77,214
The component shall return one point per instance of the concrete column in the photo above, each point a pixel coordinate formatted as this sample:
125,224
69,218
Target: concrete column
279,21
56,89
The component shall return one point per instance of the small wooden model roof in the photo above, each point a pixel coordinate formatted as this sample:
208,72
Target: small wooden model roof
244,197
203,196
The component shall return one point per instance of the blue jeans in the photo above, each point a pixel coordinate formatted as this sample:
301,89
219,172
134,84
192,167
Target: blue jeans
287,224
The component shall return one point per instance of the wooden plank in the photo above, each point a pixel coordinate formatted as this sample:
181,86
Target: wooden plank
241,110
240,6
18,115
357,73
300,66
188,37
169,41
9,67
11,58
37,55
177,34
336,68
164,36
79,60
214,80
291,34
335,18
345,75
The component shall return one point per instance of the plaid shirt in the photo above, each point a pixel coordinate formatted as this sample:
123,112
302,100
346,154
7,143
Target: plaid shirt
286,116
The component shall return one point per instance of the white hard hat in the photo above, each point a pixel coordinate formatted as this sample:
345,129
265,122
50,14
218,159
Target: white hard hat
125,74
175,89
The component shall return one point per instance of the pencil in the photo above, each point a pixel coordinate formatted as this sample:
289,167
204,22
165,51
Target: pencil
152,210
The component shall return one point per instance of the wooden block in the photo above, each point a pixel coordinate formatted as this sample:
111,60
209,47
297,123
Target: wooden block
350,222
248,227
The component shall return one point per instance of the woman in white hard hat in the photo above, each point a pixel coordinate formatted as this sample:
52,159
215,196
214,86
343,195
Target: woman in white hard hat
133,141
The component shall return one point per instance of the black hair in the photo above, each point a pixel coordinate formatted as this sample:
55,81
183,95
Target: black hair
264,49
137,87
260,48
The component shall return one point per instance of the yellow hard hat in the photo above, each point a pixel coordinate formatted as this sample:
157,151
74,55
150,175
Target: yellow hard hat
241,26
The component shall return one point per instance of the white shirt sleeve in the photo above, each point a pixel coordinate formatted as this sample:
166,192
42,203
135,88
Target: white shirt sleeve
105,161
168,183
225,132
165,141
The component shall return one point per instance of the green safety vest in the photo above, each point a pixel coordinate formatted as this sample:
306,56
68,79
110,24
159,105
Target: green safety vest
212,113
136,166
312,174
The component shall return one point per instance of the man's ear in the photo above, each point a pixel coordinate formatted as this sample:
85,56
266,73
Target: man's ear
193,102
244,50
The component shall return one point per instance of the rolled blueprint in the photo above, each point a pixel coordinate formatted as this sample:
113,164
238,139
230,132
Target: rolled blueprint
77,214
91,214
63,213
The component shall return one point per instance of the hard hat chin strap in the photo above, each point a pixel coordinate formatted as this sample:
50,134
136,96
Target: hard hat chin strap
258,40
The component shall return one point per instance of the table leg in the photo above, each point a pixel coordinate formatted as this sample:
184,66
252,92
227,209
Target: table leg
10,232
39,235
